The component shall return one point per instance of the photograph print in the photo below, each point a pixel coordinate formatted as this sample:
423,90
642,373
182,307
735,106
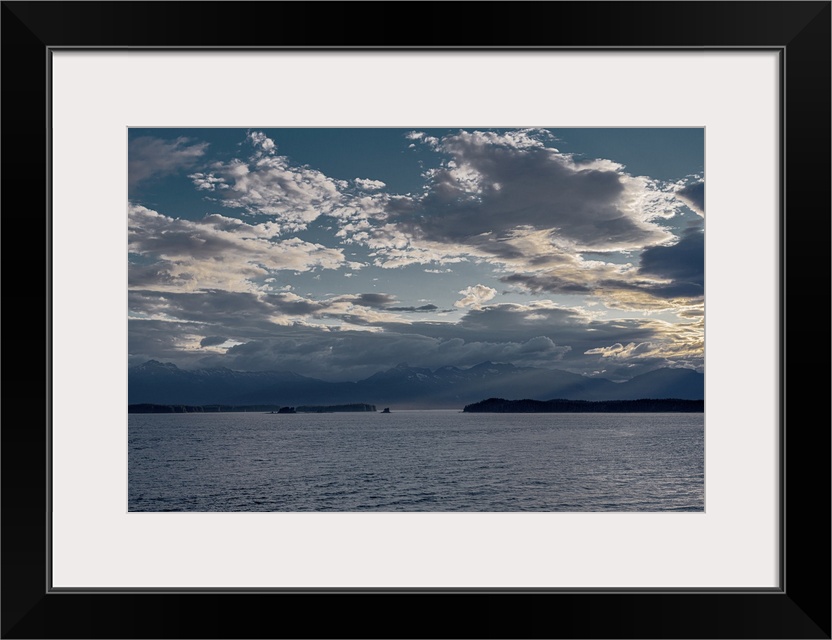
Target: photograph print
416,320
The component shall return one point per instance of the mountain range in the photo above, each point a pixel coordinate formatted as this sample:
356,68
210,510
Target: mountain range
402,386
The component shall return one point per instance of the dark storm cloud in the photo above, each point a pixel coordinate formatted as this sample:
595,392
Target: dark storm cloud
154,275
670,291
254,314
149,157
512,323
373,300
524,335
173,341
329,353
224,308
683,263
290,304
552,283
159,340
380,301
212,341
335,355
425,308
513,320
204,306
694,196
351,355
492,185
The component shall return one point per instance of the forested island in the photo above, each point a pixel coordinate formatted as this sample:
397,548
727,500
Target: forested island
499,405
256,408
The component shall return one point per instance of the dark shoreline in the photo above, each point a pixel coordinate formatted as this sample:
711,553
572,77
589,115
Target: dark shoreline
492,405
252,408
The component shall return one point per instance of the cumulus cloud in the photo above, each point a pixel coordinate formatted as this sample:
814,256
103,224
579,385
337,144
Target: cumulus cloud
207,182
269,184
423,138
369,185
149,157
261,142
475,296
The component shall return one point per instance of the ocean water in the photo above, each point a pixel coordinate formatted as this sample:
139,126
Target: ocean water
416,461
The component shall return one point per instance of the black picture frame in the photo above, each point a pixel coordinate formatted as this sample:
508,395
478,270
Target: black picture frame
799,608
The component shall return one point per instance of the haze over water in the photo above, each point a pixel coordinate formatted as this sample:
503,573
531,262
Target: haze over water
416,461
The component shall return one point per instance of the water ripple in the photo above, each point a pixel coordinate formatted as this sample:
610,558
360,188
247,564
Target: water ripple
416,461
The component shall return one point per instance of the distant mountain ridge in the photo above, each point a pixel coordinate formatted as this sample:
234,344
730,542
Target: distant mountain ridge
661,405
401,386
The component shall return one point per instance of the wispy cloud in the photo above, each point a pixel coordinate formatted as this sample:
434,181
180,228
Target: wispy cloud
150,157
216,252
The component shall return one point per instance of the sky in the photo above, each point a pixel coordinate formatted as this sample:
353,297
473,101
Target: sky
338,253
